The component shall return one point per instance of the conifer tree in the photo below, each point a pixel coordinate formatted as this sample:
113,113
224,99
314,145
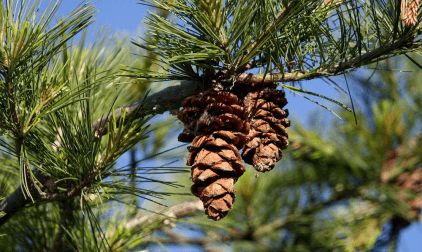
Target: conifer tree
64,121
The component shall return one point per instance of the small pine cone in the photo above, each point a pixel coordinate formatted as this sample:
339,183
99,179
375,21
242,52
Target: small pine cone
268,135
407,180
411,181
219,128
410,12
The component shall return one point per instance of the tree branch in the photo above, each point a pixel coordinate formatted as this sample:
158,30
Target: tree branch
364,59
167,217
72,193
176,211
17,200
167,99
158,103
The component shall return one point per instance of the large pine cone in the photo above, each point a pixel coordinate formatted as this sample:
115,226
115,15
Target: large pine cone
268,135
217,123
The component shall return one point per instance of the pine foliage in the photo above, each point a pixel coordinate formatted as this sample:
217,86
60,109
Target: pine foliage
308,38
61,128
61,133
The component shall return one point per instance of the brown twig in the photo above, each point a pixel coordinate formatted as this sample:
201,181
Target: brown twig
70,194
64,224
166,218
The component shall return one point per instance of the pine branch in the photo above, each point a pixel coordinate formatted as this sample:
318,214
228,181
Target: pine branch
367,58
17,200
209,241
167,99
72,193
177,211
171,98
144,225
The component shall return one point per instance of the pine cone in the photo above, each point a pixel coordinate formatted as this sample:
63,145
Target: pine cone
410,12
408,180
268,135
219,126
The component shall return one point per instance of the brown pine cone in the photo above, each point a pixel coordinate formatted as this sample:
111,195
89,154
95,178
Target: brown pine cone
218,127
408,180
268,135
216,165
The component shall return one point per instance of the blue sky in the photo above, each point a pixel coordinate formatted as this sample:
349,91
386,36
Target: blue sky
126,16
